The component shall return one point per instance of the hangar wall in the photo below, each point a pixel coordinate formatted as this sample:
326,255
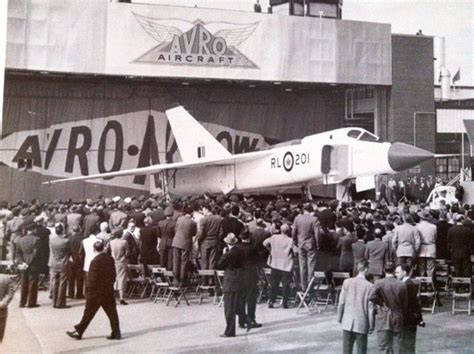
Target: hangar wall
412,94
39,107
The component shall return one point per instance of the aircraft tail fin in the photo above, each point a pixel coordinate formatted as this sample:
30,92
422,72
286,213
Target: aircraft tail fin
194,141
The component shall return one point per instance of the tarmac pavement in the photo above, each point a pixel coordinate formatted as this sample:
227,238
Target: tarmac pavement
148,327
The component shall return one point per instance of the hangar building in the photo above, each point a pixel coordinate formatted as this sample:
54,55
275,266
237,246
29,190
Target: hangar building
87,84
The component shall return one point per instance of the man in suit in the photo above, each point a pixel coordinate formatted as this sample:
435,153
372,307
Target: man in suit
442,228
230,224
355,312
75,272
459,242
413,317
231,263
182,245
390,297
406,241
61,252
305,236
100,293
280,246
27,255
358,251
427,253
258,235
130,235
149,241
248,295
166,231
377,253
211,231
74,218
89,220
7,290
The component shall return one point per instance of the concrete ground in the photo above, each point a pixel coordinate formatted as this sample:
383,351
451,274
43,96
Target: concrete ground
148,327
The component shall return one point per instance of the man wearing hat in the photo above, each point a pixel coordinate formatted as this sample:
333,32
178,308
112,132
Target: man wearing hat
230,224
231,263
427,254
166,231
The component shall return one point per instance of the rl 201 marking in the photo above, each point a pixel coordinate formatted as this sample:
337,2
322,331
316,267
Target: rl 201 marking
289,160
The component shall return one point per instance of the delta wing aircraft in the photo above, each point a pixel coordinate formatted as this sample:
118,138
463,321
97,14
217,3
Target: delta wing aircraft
326,158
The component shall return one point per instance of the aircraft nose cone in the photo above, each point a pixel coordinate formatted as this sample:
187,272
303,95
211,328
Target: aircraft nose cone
403,156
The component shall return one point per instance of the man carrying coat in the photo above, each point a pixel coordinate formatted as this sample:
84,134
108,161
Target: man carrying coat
355,312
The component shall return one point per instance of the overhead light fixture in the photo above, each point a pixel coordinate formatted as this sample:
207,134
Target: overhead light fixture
44,72
332,84
276,82
252,85
288,89
185,83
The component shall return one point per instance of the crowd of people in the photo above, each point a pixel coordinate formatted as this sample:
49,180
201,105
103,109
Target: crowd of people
413,189
239,234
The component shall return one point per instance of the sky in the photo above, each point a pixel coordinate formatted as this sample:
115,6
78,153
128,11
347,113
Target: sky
452,19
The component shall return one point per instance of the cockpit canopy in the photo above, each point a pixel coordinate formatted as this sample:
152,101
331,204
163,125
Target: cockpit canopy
361,135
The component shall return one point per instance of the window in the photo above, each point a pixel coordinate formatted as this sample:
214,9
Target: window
447,167
366,136
353,133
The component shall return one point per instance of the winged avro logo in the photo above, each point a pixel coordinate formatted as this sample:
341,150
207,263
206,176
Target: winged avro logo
197,43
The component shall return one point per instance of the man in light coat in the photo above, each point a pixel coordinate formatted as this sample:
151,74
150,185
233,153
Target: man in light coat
280,260
61,253
427,253
306,237
406,241
355,312
186,229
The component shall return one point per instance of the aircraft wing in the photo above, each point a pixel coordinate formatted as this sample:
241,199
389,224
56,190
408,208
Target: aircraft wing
233,159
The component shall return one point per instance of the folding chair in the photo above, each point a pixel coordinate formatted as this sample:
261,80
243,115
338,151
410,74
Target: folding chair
205,276
462,291
175,291
337,280
427,293
304,296
442,276
159,284
136,280
220,282
263,282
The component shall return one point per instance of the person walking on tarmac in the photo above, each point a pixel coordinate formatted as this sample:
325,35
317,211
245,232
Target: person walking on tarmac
248,295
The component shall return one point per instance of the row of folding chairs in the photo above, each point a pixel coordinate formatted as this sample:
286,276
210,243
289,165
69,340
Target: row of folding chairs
321,291
162,285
